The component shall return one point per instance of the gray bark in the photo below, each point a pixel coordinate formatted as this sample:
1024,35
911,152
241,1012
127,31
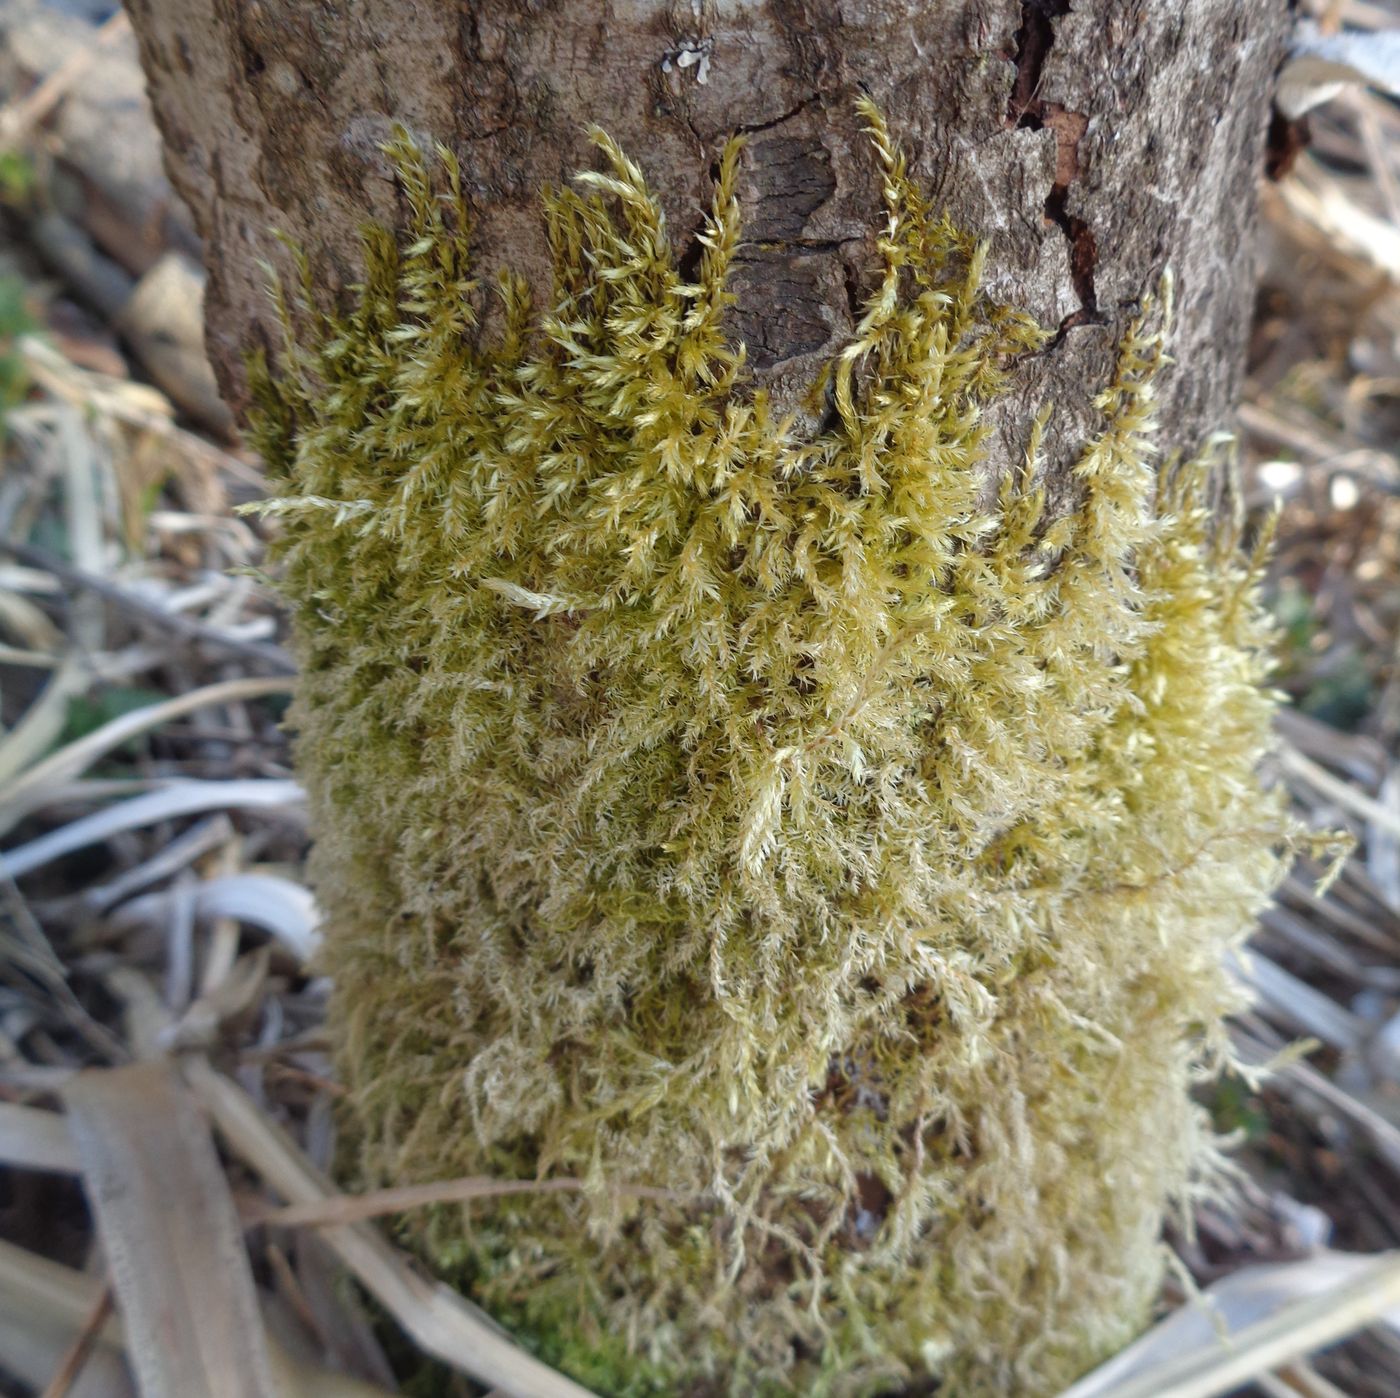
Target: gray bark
1093,143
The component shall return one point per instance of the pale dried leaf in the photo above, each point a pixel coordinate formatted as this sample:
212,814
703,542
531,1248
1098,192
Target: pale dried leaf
1249,1323
42,1307
43,721
1295,1002
180,798
277,905
443,1323
31,1139
22,618
170,1234
1322,65
43,1304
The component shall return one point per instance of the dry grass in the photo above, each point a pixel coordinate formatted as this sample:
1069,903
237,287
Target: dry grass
160,1036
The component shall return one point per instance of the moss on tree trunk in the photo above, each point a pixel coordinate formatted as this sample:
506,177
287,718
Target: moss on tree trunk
759,749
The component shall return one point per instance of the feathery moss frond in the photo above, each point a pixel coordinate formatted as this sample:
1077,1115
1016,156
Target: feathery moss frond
760,815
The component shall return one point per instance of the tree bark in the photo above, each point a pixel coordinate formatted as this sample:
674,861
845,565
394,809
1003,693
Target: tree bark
1094,144
648,848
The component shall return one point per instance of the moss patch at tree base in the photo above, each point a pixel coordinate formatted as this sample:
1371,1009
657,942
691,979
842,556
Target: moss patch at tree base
756,814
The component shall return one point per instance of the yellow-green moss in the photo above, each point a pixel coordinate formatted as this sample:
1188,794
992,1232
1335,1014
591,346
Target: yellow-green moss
755,814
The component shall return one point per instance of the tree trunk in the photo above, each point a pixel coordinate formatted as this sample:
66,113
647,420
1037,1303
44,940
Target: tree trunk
1094,144
794,781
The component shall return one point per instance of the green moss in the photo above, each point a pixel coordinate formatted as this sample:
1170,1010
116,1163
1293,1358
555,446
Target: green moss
760,814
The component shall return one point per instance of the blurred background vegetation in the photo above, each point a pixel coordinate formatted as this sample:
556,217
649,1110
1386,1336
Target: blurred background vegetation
151,896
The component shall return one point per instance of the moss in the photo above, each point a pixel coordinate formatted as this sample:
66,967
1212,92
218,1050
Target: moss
759,814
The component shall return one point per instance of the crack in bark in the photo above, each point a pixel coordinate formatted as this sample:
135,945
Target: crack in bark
1034,40
755,244
1069,127
806,244
1029,111
850,278
749,128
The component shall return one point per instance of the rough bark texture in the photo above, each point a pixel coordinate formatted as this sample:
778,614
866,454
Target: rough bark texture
763,813
1093,143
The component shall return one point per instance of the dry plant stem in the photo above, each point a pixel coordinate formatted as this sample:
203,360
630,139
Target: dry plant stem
33,1139
1304,1008
188,632
43,1308
30,788
172,856
1345,919
353,1208
1314,445
81,1349
1301,1378
18,118
36,957
97,393
167,802
55,1301
1294,1330
441,1322
1304,1084
40,660
1345,794
1319,200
